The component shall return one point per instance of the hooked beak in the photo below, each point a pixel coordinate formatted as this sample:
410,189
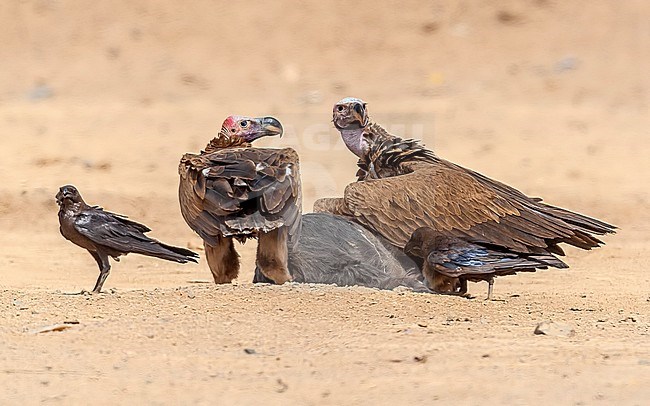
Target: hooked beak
270,127
411,248
351,117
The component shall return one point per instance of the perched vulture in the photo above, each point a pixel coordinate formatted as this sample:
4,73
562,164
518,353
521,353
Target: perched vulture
334,250
232,190
450,262
404,186
105,234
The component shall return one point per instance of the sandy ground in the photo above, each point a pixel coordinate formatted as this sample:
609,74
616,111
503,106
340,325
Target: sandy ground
549,96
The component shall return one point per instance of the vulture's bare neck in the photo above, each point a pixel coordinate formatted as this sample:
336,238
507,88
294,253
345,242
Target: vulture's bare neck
353,139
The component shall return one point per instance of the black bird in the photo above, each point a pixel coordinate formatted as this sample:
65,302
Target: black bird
106,234
449,262
335,250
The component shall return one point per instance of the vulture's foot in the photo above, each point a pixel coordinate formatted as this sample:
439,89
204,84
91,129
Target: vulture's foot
278,276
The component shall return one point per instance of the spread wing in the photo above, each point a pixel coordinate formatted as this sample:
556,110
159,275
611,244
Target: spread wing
239,191
457,202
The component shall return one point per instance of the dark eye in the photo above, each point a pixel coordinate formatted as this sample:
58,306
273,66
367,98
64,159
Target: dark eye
340,108
358,108
243,123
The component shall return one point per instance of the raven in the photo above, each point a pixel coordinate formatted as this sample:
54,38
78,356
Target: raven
106,234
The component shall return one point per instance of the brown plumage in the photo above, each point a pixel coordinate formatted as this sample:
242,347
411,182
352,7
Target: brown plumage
105,234
450,262
403,186
232,190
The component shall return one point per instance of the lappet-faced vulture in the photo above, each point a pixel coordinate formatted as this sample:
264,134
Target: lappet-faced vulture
404,186
232,190
105,234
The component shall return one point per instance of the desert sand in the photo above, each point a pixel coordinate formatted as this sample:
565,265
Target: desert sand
551,97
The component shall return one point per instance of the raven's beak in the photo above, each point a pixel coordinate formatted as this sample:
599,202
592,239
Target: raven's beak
66,192
270,126
412,249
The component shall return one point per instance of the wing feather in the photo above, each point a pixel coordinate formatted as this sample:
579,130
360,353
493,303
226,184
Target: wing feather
239,191
453,201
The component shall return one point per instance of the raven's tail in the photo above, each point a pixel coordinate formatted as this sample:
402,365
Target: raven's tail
157,249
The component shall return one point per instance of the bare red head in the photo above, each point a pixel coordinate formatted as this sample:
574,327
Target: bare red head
250,128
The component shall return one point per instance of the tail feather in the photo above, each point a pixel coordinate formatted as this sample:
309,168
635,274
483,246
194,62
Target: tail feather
164,251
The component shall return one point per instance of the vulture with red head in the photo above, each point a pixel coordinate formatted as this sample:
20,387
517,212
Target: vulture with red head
403,186
232,190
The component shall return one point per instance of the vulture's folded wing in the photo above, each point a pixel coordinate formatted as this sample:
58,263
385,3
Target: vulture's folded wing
241,190
454,202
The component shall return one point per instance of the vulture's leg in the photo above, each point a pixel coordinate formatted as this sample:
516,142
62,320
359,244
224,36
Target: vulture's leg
463,286
223,260
443,284
490,285
429,273
437,282
462,290
104,269
272,255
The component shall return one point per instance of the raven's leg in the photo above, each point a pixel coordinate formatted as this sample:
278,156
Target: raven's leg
223,260
490,285
272,255
104,269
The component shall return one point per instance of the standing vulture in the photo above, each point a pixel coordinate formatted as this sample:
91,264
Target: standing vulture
105,234
404,186
232,190
335,250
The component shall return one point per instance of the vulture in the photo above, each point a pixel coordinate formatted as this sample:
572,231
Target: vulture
234,191
105,234
335,250
403,186
449,262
